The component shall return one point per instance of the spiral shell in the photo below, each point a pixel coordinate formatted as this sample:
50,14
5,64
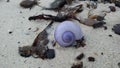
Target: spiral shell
67,33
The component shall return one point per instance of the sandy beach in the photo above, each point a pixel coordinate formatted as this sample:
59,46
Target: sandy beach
17,31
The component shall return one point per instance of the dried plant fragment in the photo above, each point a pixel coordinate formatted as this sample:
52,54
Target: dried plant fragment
80,57
78,65
39,48
91,59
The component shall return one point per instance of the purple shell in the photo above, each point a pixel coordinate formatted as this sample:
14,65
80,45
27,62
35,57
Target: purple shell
67,32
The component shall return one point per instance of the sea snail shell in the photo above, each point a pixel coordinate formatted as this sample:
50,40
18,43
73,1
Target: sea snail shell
67,33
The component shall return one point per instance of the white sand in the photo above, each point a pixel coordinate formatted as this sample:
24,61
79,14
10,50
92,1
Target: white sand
97,40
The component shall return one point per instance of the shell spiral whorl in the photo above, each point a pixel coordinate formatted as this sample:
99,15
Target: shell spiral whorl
67,33
68,37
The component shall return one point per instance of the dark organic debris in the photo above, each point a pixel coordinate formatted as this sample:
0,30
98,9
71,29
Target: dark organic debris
110,35
78,65
49,17
105,27
45,41
87,5
119,64
40,43
25,61
77,9
25,51
117,3
100,18
39,48
10,32
28,3
112,8
29,28
18,42
101,53
116,29
81,56
99,24
53,43
61,16
41,36
91,59
80,43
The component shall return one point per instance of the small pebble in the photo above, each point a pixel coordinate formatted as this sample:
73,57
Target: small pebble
101,53
10,32
116,29
81,56
110,35
105,27
112,8
28,3
20,11
18,42
27,33
29,28
117,3
25,61
91,59
50,54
